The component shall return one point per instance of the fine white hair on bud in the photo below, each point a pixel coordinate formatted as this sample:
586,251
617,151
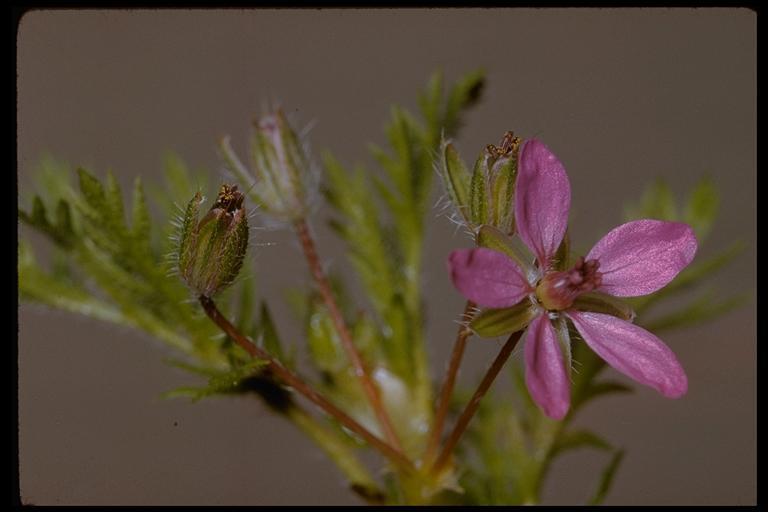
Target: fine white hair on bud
281,177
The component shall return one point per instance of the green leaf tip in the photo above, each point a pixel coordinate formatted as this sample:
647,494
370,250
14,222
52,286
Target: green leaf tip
607,477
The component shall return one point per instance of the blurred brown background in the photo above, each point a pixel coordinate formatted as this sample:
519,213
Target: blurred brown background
621,96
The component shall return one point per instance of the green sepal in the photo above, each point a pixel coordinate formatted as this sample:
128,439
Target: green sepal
490,323
185,253
503,194
235,247
598,302
457,179
493,238
478,193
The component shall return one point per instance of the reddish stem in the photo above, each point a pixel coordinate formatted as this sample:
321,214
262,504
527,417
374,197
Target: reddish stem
448,383
474,403
292,380
370,389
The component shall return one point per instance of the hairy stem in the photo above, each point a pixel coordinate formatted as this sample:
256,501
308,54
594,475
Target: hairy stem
292,380
474,402
370,389
448,383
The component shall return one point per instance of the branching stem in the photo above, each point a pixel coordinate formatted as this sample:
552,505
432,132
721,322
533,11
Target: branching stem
474,403
295,382
370,389
451,373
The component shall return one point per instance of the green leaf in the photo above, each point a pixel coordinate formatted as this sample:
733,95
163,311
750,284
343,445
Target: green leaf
53,179
430,103
573,439
657,202
324,343
606,479
490,323
703,309
38,216
204,371
115,213
92,190
219,383
140,222
465,93
703,269
181,182
37,286
268,334
132,281
701,208
362,230
397,344
365,334
62,233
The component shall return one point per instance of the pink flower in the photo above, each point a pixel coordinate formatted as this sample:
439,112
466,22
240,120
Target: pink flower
636,258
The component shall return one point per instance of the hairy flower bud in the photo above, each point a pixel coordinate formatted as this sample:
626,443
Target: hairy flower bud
211,250
281,166
492,191
486,195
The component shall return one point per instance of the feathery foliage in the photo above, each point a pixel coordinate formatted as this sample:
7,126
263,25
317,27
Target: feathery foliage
109,261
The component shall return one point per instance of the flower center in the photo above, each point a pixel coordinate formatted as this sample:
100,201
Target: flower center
558,289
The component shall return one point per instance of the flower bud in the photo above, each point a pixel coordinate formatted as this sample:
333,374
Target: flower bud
211,250
486,195
281,166
492,189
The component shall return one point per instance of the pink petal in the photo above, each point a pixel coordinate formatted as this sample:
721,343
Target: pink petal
640,257
488,278
542,200
633,351
545,373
